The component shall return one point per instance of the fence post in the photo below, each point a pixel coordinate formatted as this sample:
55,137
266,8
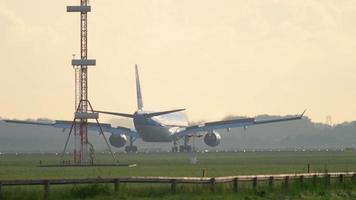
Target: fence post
327,179
314,180
308,167
46,190
204,172
116,185
286,182
236,185
212,184
353,178
173,185
270,182
341,178
0,190
301,180
254,183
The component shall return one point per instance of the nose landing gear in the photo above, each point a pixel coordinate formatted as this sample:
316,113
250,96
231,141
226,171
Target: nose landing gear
175,147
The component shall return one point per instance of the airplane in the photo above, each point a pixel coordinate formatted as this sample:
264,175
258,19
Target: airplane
163,126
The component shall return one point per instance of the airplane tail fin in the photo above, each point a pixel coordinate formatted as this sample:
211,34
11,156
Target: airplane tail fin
138,90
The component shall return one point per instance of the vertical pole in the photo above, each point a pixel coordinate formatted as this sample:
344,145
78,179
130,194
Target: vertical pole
327,179
353,178
286,182
270,182
84,85
236,185
1,190
308,167
254,183
116,185
204,172
173,185
314,180
341,178
46,190
301,181
78,98
212,184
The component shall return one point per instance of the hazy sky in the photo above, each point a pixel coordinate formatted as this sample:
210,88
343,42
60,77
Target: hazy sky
212,57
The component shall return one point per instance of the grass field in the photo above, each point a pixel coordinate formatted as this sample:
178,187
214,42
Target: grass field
24,166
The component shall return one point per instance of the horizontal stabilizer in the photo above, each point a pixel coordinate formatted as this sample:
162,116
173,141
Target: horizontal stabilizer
117,114
148,115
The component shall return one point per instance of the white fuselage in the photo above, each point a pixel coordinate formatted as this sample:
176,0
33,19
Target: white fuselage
160,128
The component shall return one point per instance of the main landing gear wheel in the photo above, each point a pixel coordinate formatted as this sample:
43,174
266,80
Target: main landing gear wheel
185,148
174,149
131,149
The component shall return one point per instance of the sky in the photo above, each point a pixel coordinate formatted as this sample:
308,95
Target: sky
214,58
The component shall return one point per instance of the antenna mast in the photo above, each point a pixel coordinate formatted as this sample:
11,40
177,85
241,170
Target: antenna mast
82,104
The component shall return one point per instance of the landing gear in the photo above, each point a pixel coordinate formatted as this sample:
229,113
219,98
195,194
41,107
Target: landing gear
182,148
175,147
131,148
185,148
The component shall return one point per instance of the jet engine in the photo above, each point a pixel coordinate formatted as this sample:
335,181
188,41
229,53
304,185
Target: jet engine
212,139
118,140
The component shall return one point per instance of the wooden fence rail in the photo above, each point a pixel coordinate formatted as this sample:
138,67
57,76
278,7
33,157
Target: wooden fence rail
212,181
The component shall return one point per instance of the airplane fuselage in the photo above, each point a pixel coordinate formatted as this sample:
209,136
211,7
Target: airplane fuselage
159,128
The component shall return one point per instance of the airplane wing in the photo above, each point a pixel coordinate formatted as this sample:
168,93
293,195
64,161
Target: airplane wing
91,126
226,124
62,124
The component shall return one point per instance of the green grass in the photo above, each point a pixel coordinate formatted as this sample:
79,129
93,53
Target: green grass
168,164
94,192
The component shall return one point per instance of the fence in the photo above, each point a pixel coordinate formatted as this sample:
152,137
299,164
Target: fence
212,181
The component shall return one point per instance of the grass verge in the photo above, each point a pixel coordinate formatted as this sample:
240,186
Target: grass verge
295,190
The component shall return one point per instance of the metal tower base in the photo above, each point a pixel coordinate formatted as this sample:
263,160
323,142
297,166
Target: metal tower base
80,158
